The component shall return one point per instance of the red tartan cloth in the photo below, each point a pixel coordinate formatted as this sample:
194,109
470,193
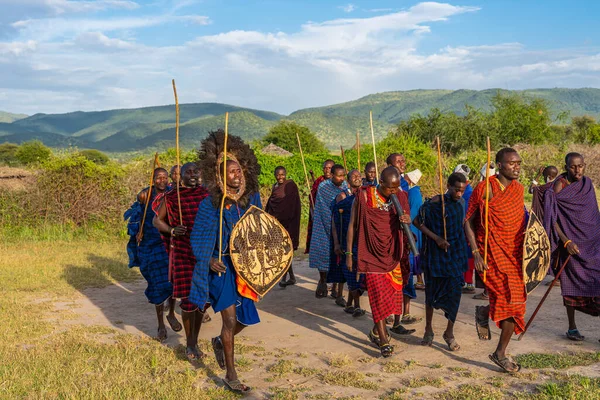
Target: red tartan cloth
385,297
311,204
182,260
586,305
381,242
505,249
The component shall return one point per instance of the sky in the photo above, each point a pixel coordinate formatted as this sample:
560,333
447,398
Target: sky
282,55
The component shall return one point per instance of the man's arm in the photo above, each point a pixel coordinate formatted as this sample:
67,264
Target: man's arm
163,227
418,223
470,234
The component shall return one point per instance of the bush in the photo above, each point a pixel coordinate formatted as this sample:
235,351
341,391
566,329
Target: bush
33,152
284,135
95,156
8,154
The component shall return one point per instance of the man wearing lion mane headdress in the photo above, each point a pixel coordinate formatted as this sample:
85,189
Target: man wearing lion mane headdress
215,282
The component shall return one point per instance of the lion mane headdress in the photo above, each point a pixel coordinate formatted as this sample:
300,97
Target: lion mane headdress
210,158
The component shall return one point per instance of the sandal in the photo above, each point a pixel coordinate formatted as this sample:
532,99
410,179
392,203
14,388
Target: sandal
359,312
400,330
505,363
451,342
236,386
410,319
349,310
482,324
468,290
386,350
374,337
290,282
427,339
321,290
161,336
340,302
282,284
219,351
573,334
481,296
390,320
175,325
419,286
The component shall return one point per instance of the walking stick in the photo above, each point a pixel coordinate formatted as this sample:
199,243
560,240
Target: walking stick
358,150
374,151
544,298
344,159
311,200
177,151
140,234
439,151
487,208
224,188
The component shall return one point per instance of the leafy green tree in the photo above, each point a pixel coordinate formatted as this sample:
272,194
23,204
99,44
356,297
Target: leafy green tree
584,127
284,135
8,153
516,119
95,156
33,152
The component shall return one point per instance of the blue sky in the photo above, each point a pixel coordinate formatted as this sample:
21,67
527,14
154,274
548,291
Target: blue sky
282,55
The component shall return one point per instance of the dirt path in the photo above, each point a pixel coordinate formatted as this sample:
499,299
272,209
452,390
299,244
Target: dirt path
309,332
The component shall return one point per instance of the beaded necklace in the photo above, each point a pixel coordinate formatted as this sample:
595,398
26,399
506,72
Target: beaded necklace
382,205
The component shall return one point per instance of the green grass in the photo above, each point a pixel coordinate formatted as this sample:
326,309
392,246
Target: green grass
348,379
471,392
282,367
557,360
575,387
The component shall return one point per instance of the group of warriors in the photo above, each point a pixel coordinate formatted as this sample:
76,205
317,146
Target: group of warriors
373,232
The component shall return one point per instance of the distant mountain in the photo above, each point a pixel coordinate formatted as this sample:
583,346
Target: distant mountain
10,117
147,128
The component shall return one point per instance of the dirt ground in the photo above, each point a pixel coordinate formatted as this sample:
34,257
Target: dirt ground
315,333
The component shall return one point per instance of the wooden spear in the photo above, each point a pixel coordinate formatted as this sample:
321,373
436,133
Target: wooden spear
544,298
439,151
344,159
155,165
358,150
374,151
312,201
177,151
487,208
224,188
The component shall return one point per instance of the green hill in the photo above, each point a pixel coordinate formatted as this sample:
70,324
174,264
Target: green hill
154,127
10,117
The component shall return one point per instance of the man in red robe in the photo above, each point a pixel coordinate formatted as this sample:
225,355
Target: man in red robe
503,272
382,250
313,197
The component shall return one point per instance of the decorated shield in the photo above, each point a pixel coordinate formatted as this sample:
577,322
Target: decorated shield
536,253
261,250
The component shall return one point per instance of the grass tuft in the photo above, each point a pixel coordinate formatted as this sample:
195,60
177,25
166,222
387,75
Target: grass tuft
348,379
471,392
557,360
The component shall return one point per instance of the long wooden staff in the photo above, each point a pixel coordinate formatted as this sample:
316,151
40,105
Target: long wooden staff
177,152
312,201
544,298
374,151
358,150
155,165
344,159
487,208
439,151
224,188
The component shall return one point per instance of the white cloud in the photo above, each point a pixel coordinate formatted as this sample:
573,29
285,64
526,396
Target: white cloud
348,8
18,48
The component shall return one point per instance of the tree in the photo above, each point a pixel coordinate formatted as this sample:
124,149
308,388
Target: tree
8,153
517,119
95,156
284,135
33,152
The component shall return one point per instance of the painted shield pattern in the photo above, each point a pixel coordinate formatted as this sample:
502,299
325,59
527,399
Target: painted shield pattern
536,253
261,250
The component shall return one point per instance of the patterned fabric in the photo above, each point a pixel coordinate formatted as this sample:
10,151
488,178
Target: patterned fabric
134,217
586,305
207,286
415,200
284,205
436,261
381,242
350,276
153,258
444,294
468,276
313,196
385,297
507,222
321,241
537,205
181,255
575,209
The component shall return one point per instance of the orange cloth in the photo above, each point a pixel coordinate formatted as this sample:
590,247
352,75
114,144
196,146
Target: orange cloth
507,224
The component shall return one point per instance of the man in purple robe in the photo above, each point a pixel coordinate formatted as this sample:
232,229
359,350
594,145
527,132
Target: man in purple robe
571,218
